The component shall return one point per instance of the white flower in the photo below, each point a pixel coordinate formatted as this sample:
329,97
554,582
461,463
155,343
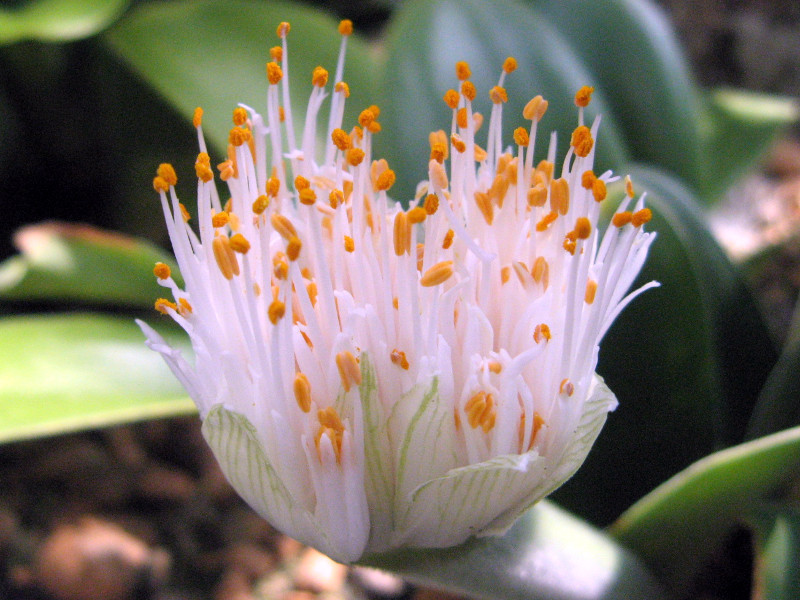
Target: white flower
372,376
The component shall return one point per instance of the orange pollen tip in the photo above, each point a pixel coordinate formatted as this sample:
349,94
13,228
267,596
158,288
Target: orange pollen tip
622,218
280,269
349,371
203,172
521,137
167,173
510,64
495,367
541,333
629,186
355,156
335,198
184,308
281,114
239,243
160,185
375,110
276,53
260,204
319,77
438,152
302,392
239,116
640,217
273,186
566,387
546,221
587,179
535,109
161,270
283,226
274,73
462,70
341,139
220,219
349,244
569,245
438,175
385,180
293,248
399,358
599,190
197,118
184,213
276,311
402,234
366,117
438,273
283,29
225,257
583,96
416,215
485,206
497,94
468,90
458,143
431,204
346,27
342,88
307,196
537,195
582,141
559,195
451,99
448,239
583,228
591,291
238,136
162,304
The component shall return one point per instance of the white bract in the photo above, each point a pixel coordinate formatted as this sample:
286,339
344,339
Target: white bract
373,376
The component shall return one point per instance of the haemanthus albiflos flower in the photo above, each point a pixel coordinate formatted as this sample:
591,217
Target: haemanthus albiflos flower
372,376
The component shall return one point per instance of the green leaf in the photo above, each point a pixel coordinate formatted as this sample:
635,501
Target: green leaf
427,38
212,54
777,576
58,20
61,373
637,63
65,262
739,127
777,406
684,521
547,555
685,389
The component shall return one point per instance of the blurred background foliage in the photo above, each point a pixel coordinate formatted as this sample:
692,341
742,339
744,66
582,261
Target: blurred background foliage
95,94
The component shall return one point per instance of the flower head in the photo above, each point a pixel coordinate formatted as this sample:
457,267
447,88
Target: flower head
373,375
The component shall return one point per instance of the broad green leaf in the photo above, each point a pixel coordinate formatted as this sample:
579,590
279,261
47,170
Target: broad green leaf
67,262
58,20
427,38
684,521
777,576
547,555
739,127
213,55
61,373
778,405
684,388
637,63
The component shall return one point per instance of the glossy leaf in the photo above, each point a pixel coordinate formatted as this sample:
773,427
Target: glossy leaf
739,127
778,405
684,521
212,54
65,262
58,20
547,555
61,373
777,576
427,38
637,63
684,389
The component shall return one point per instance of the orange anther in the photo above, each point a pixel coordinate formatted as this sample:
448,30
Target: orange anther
622,218
385,180
239,243
197,118
521,136
583,96
341,139
398,358
497,94
448,239
535,109
239,116
293,248
587,179
167,173
451,99
510,64
463,71
346,27
640,217
161,270
220,219
582,141
468,90
438,273
302,392
541,333
283,29
591,291
342,88
274,73
431,204
260,204
319,77
162,304
276,311
583,228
